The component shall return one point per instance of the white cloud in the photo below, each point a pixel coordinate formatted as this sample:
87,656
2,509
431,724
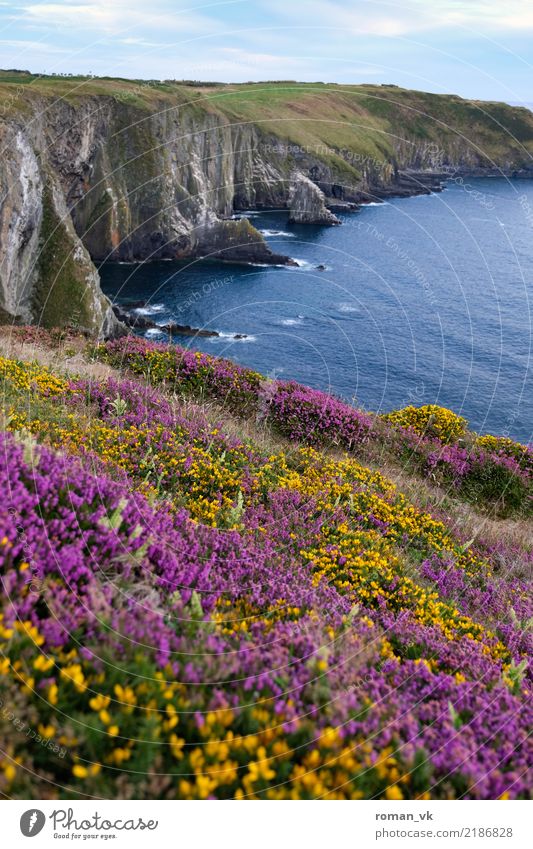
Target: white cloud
390,18
356,18
25,44
112,16
140,42
485,15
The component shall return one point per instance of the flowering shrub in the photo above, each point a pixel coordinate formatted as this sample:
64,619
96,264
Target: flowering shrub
31,377
186,371
296,411
431,421
306,415
186,616
484,477
505,447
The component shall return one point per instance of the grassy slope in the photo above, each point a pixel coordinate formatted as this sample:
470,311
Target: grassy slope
363,119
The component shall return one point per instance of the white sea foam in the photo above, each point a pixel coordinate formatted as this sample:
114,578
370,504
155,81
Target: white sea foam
225,336
347,307
291,322
154,331
277,233
304,264
150,309
268,265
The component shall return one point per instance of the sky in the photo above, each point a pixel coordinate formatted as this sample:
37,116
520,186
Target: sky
479,49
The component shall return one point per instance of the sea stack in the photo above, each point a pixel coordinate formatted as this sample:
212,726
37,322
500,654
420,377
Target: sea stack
307,202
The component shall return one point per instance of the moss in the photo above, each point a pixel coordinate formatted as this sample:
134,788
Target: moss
62,295
100,213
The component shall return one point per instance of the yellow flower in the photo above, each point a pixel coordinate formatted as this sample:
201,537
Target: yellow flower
204,786
99,702
119,755
125,695
393,792
176,745
80,771
9,771
47,731
43,663
329,737
74,673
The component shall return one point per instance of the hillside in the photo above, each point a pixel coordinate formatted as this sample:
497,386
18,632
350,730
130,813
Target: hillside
96,169
217,585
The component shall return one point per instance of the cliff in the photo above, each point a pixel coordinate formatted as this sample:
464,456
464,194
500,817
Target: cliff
307,202
124,170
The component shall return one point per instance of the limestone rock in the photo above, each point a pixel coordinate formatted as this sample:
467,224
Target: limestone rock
307,203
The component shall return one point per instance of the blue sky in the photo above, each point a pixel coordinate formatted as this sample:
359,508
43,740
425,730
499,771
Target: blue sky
480,48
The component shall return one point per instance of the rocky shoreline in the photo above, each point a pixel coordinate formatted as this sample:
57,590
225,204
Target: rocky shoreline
128,317
308,203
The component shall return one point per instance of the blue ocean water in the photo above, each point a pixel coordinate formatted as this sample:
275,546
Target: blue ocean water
422,300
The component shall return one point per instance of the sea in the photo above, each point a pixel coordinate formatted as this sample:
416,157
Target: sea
422,300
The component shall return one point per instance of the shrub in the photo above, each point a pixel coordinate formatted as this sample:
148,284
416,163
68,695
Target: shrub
484,478
431,421
505,447
307,415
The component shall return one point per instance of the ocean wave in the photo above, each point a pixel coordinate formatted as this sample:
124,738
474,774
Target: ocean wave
304,264
277,233
291,322
223,337
251,214
347,307
150,309
268,265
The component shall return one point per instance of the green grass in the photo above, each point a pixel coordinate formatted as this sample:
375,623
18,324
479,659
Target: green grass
63,295
363,119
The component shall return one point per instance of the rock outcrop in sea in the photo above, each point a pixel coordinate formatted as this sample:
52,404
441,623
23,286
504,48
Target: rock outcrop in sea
307,202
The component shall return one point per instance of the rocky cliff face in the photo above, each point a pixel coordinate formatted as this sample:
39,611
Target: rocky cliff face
47,275
97,180
307,202
92,177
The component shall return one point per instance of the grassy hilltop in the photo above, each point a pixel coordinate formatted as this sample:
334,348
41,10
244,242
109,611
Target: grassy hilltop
217,585
365,120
